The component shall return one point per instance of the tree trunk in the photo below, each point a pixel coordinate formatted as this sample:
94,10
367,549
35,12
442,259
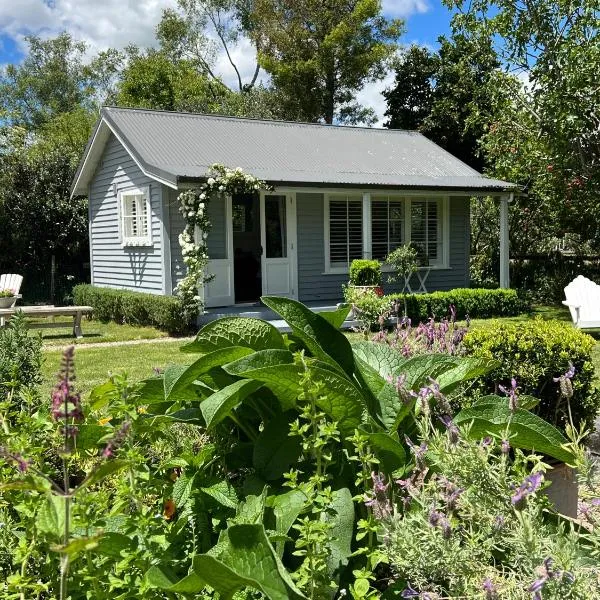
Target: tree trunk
329,100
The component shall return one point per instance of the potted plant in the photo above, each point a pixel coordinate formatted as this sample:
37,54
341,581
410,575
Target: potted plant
7,298
366,274
404,263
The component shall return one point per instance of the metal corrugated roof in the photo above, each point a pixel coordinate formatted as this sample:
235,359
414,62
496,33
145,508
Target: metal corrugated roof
173,146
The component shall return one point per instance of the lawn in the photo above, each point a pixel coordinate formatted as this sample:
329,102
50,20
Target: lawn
96,331
95,362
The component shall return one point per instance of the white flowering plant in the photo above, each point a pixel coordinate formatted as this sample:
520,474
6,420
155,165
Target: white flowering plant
193,205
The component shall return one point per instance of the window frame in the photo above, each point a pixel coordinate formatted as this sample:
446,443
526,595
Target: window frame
139,240
338,196
443,262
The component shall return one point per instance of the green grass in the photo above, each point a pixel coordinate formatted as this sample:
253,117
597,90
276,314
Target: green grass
96,331
94,364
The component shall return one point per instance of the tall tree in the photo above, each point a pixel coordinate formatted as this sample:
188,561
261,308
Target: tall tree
198,29
321,53
547,134
444,94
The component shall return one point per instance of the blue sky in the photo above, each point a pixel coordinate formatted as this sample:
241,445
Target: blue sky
116,23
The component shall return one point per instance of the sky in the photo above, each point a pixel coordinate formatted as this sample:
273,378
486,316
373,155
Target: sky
117,23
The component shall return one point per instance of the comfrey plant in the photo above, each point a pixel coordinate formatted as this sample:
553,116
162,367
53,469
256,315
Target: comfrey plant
55,490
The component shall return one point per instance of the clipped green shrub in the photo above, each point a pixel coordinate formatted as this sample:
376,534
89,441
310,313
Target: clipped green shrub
365,272
534,353
135,308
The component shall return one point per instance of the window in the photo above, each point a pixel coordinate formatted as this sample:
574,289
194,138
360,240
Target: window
387,225
426,230
345,230
135,217
395,220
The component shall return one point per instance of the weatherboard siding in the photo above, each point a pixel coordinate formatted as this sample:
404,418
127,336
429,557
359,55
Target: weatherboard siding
315,285
133,268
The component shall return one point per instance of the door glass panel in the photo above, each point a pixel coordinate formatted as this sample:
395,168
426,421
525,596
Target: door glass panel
217,236
275,227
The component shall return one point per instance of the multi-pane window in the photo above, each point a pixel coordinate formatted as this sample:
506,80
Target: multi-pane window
345,230
395,220
387,225
425,229
135,217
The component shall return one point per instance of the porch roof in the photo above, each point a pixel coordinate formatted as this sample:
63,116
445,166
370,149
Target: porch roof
172,147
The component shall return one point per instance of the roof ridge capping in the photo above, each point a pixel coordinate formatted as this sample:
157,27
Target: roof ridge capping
218,116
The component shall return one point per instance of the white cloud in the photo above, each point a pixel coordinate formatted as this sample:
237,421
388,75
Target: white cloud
101,23
404,8
371,96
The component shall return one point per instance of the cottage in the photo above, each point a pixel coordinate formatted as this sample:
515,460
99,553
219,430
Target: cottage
340,193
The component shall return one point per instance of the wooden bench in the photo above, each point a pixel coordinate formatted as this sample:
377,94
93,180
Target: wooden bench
583,300
49,311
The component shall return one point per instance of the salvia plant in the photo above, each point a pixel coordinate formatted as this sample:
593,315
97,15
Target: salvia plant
273,464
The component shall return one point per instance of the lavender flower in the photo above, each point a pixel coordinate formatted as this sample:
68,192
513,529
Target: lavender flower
409,592
529,486
505,446
452,313
451,428
419,452
491,593
438,519
379,501
565,383
117,440
486,442
513,396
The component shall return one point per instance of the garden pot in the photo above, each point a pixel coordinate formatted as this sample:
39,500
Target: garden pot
7,302
564,490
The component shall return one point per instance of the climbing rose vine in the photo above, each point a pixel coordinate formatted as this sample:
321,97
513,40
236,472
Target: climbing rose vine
193,205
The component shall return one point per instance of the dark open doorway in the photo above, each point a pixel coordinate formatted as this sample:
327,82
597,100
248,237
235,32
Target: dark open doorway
247,250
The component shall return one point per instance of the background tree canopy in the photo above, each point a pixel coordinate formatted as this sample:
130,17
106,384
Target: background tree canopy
513,91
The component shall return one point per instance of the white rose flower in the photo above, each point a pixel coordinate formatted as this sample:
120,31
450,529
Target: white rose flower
210,181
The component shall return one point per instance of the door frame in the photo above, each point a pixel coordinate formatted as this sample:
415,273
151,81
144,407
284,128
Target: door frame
291,237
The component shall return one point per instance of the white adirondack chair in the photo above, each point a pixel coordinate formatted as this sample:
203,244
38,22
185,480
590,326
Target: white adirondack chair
583,300
11,281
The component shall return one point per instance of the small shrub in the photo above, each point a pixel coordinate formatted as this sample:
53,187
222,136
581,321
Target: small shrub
135,308
20,357
365,272
404,261
534,353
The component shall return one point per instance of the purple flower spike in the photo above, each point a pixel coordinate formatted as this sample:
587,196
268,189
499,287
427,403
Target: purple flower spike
529,486
378,500
409,592
505,446
491,593
450,425
19,461
117,440
512,393
66,403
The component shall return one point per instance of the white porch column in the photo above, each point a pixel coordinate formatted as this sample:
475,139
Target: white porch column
504,241
366,217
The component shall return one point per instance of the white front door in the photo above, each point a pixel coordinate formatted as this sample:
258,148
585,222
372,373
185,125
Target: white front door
220,291
278,240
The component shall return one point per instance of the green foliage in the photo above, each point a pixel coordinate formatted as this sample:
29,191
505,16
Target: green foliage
136,308
460,530
365,272
246,453
319,69
477,303
20,357
443,94
403,261
534,353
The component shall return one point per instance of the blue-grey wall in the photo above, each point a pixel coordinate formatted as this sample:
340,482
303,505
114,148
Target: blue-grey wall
135,268
314,285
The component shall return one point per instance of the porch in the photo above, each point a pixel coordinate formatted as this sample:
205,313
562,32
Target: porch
256,310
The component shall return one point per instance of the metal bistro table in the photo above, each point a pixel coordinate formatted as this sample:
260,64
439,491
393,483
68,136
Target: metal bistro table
422,274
